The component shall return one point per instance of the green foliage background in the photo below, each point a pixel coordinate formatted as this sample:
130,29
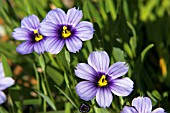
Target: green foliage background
134,31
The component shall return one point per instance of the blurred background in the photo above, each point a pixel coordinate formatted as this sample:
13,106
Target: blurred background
134,31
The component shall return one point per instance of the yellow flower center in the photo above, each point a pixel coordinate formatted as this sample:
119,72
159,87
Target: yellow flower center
102,81
38,37
66,33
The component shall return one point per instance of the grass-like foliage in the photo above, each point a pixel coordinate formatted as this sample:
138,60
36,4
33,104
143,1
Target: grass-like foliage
115,56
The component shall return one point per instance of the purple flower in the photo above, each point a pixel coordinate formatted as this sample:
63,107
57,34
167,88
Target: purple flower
5,82
29,31
141,105
64,28
101,80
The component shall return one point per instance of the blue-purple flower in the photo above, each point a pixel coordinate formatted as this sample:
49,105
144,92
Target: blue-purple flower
101,80
141,105
5,82
65,28
29,31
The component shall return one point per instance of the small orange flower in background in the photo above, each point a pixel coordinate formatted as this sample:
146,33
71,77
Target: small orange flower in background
163,67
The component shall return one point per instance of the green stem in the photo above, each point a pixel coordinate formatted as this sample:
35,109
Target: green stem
46,81
47,86
52,59
45,92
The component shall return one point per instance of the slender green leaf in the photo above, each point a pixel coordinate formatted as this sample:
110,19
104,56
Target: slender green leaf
145,51
133,39
47,99
111,8
31,102
55,74
128,50
42,62
66,96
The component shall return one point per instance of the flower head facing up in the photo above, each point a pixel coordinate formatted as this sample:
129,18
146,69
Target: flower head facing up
5,82
101,80
141,105
65,28
29,31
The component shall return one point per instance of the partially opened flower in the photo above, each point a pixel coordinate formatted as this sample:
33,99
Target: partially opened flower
141,105
5,82
101,80
29,31
62,28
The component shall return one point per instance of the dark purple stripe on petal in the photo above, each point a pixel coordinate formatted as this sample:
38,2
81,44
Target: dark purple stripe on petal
84,30
121,87
54,45
86,72
25,48
74,44
116,70
39,47
128,109
31,22
99,60
49,29
86,90
22,34
142,104
74,16
56,16
104,97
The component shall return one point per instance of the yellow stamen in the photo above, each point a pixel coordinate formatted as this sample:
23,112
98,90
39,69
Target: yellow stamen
38,37
35,31
102,81
66,33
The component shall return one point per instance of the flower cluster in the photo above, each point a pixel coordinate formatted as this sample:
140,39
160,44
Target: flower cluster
100,81
56,30
5,82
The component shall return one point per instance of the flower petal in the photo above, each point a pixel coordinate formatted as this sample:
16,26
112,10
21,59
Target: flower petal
74,16
56,16
86,90
99,60
22,34
84,30
128,109
6,82
73,44
118,69
1,71
158,110
31,22
142,104
2,97
25,48
39,46
85,72
121,87
54,45
104,97
49,29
